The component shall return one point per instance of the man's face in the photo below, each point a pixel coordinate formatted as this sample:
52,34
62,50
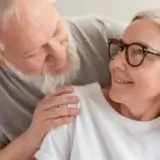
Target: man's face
36,40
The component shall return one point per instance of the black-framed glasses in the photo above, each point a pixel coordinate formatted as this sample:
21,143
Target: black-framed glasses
135,53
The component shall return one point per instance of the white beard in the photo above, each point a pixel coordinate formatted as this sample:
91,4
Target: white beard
47,83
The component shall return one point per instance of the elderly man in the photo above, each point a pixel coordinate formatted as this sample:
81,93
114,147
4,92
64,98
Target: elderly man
38,53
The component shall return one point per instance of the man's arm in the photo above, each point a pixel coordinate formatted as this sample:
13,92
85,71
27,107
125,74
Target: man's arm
20,149
47,116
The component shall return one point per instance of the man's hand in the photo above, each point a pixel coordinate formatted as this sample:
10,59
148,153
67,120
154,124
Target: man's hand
49,115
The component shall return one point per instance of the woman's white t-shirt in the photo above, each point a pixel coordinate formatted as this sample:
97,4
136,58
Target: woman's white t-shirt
100,133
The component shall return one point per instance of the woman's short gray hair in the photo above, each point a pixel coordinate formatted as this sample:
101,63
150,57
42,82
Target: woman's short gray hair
147,14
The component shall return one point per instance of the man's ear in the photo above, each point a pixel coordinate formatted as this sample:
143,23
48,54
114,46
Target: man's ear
2,64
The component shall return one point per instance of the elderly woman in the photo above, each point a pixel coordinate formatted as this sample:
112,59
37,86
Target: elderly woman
122,121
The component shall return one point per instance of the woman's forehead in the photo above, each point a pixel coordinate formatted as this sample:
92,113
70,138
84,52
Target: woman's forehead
145,31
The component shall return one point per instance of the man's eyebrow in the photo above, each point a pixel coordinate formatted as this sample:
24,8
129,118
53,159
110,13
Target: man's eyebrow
56,30
29,53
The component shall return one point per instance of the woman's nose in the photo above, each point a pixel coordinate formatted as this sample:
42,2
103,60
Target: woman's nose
119,61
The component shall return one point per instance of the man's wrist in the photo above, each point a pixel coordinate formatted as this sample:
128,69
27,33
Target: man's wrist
30,141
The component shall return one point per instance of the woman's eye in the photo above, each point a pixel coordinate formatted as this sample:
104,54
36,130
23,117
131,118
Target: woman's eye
138,52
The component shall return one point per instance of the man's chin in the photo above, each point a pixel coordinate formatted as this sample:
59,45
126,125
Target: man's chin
49,79
52,79
55,70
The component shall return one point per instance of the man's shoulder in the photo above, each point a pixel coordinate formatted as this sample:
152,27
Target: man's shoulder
86,24
17,101
92,20
9,83
95,24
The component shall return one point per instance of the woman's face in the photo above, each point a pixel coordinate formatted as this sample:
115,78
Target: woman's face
140,83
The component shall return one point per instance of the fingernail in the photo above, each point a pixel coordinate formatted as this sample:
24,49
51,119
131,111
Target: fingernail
76,110
76,98
72,118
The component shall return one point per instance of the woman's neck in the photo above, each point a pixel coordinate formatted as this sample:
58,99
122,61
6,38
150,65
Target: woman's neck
141,111
148,112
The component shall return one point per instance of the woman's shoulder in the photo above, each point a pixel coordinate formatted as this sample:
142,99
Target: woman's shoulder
88,88
88,92
112,103
94,92
91,89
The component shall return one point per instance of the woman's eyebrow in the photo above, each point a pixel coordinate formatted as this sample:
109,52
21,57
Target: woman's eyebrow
138,42
145,45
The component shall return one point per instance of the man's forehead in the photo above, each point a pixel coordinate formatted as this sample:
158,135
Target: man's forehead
31,32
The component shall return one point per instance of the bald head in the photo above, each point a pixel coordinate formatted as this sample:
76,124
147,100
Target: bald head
18,17
21,21
29,30
8,8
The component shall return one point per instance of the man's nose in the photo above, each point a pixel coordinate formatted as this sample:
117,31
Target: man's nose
51,47
56,50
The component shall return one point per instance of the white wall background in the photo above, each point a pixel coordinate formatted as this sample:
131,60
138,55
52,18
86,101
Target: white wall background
118,9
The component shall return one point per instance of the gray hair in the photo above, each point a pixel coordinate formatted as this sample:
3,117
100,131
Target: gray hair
7,9
147,14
